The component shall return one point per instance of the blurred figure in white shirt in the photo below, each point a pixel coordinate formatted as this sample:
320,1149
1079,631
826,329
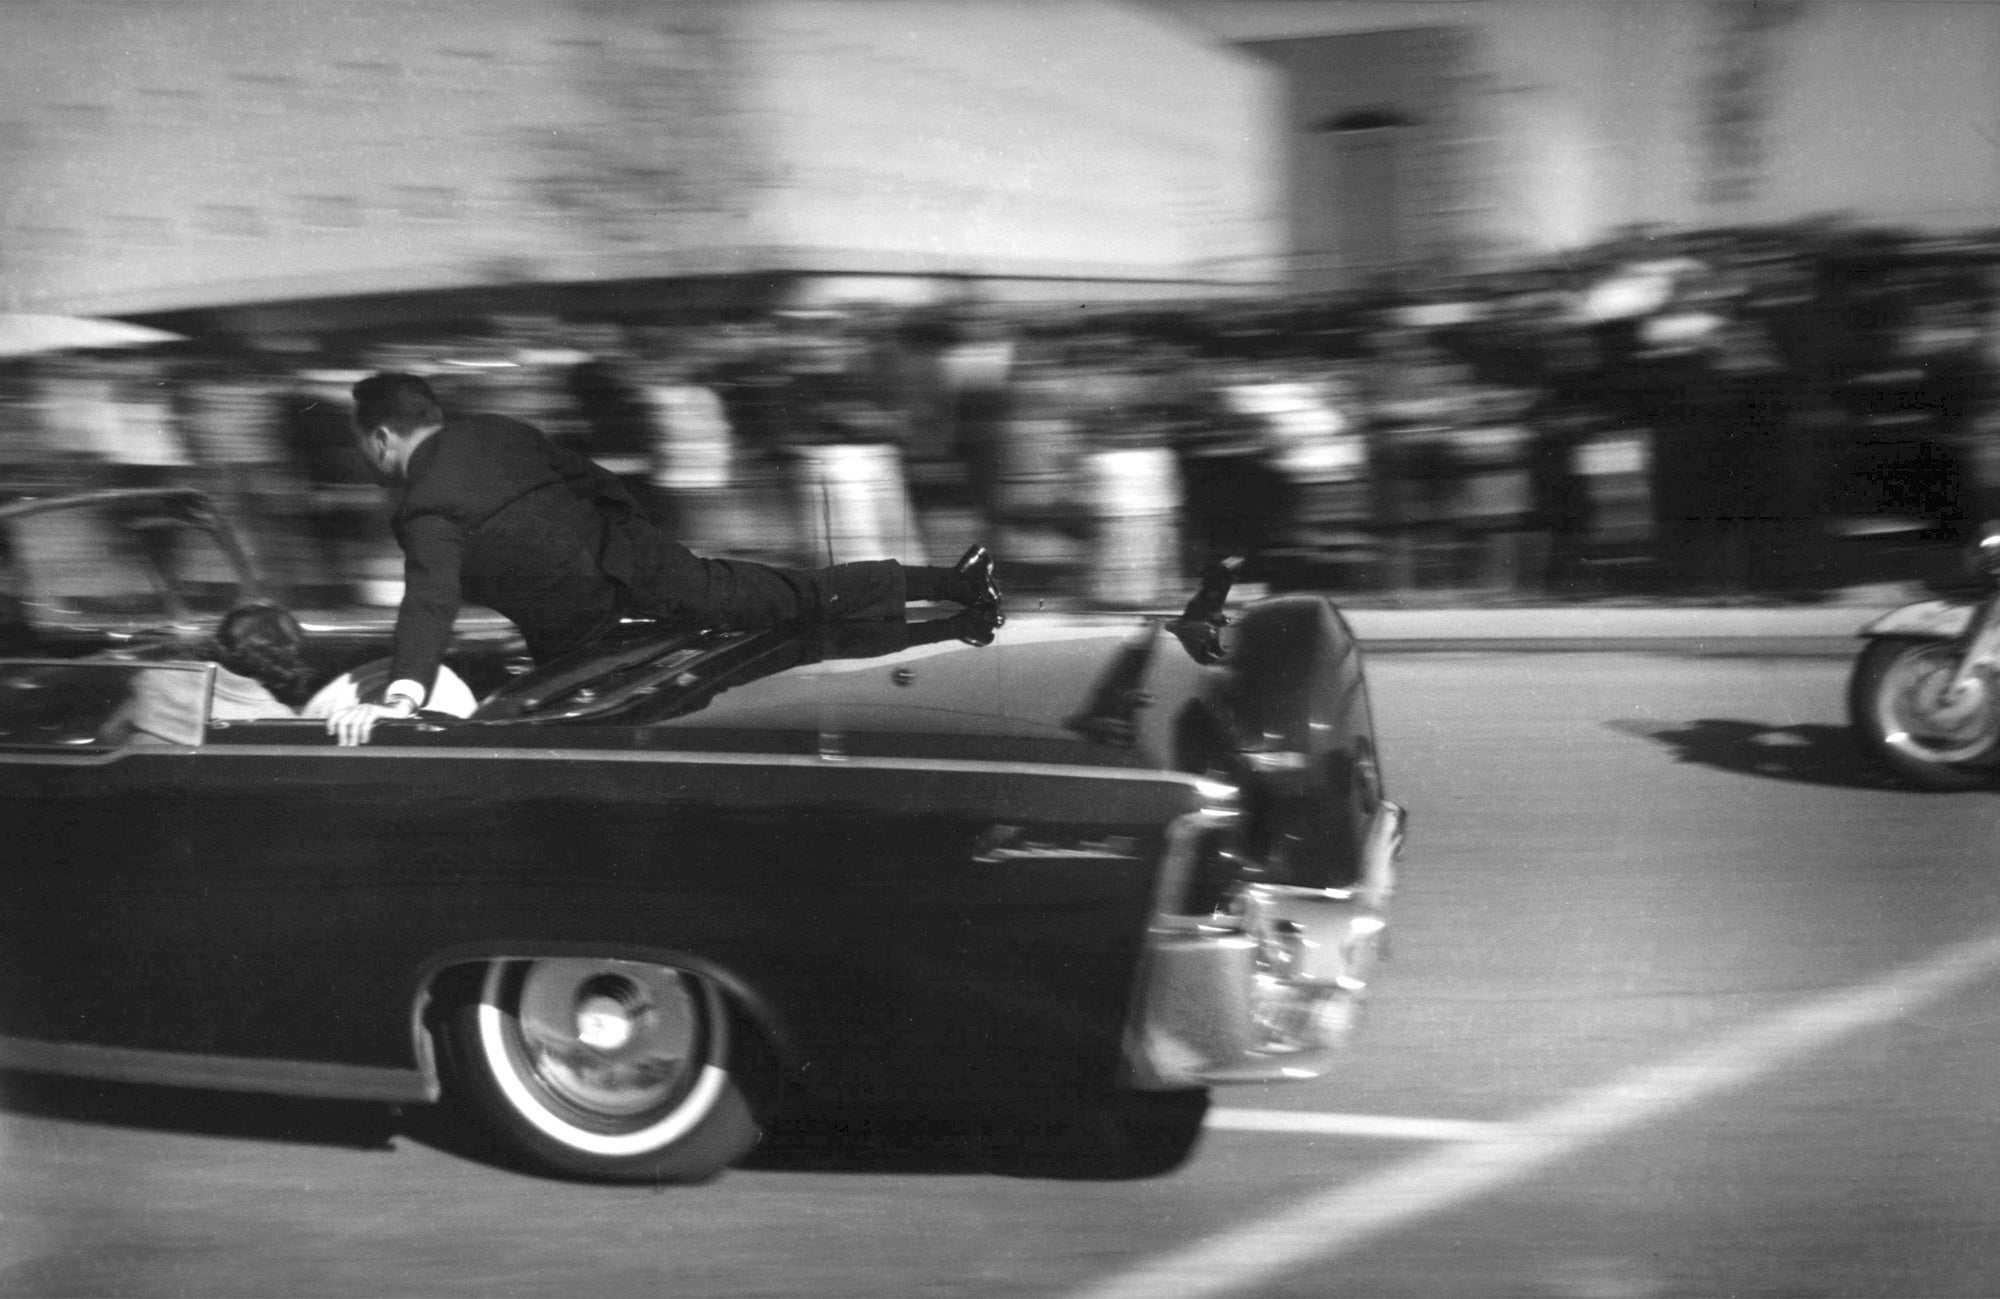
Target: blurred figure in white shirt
692,467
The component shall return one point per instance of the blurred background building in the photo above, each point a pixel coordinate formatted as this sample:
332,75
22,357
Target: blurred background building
1484,130
167,159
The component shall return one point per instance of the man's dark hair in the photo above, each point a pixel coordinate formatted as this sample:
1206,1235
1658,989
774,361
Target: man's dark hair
402,403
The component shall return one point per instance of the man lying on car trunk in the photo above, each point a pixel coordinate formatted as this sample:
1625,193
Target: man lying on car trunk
489,509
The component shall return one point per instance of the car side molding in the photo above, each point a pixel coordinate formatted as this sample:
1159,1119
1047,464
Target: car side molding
319,1079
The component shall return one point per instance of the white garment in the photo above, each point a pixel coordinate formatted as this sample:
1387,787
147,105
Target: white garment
449,694
1309,435
241,699
146,432
80,415
691,438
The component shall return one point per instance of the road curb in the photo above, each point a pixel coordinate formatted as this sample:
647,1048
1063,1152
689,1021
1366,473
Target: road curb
1708,646
1820,631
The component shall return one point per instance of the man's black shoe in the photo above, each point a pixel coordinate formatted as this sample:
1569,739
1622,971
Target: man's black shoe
976,566
975,626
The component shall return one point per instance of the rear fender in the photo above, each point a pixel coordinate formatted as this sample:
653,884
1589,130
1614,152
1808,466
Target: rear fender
1296,701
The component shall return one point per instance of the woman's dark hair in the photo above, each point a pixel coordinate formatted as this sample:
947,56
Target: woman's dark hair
402,403
262,641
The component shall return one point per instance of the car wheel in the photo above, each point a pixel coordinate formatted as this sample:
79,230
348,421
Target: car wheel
603,1069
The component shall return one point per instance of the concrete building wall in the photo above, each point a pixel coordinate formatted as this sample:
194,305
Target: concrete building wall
163,154
1891,109
1598,117
1017,137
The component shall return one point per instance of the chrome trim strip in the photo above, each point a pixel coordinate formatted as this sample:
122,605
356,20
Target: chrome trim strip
106,665
103,757
22,509
1385,844
320,1079
102,754
811,762
1183,842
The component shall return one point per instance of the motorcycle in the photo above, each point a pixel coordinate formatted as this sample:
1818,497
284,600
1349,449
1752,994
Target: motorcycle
1924,697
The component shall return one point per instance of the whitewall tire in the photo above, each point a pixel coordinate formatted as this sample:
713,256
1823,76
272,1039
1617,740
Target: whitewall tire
605,1069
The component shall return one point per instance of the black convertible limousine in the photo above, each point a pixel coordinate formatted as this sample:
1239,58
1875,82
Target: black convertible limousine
642,899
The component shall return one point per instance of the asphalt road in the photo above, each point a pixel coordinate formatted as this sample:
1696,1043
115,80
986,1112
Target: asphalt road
1684,1001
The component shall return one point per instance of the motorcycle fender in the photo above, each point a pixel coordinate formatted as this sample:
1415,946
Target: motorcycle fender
1935,619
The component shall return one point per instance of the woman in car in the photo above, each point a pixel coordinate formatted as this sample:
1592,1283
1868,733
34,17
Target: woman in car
259,673
259,669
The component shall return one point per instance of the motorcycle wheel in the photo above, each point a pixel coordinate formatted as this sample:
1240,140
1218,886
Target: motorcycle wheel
1895,702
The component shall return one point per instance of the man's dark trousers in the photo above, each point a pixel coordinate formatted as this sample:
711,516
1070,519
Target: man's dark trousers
668,580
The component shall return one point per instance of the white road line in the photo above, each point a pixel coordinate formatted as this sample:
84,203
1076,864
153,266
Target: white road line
1354,1125
1342,1218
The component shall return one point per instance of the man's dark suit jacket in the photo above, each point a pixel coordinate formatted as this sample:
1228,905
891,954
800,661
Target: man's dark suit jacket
493,512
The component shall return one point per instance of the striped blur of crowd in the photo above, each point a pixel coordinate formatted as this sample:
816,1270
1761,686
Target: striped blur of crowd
1725,416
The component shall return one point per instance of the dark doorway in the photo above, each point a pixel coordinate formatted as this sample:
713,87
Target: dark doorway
1378,174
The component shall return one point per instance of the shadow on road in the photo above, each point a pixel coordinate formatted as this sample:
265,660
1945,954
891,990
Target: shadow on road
349,1125
1812,753
874,1144
1144,1135
354,1125
1064,1148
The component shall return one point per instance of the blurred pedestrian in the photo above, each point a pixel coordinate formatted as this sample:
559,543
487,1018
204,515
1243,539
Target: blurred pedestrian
229,417
339,504
607,391
1041,518
1560,422
691,453
1982,409
1418,397
28,459
1237,499
976,366
1961,393
116,411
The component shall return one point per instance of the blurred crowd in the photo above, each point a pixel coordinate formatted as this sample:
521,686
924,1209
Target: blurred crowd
1745,412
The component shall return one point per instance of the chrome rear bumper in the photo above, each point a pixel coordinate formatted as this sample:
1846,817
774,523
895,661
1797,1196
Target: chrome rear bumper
1269,991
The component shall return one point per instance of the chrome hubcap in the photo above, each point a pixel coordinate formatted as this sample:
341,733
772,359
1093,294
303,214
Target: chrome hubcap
611,1040
604,1023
